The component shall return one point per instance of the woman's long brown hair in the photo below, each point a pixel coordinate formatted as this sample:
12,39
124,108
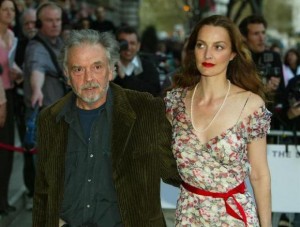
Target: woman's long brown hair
241,70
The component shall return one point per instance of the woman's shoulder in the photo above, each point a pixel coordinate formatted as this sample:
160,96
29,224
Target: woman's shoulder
252,100
247,101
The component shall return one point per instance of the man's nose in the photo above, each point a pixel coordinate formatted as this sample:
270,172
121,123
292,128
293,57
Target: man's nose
88,74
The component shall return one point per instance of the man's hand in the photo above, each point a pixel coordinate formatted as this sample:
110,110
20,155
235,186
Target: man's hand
37,98
37,80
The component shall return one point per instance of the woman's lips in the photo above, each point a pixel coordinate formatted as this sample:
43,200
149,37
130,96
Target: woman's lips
208,65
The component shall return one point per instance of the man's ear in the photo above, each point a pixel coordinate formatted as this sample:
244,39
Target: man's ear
112,73
67,77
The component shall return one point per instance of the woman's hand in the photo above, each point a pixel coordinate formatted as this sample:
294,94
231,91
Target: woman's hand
16,74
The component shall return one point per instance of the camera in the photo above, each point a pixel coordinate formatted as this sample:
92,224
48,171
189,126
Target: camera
265,66
123,45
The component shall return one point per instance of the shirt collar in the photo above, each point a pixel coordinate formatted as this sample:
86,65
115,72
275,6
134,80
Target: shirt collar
69,109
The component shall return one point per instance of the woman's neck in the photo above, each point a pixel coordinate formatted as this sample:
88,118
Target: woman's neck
3,31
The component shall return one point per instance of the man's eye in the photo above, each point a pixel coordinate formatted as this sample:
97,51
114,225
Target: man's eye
97,67
77,69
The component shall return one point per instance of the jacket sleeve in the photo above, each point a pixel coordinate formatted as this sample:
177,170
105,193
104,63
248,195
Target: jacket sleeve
41,194
169,172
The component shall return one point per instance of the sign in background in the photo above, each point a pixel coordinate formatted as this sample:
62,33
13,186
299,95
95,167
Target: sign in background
284,163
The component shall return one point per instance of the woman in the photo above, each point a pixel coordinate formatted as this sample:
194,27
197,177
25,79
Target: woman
10,73
291,66
219,131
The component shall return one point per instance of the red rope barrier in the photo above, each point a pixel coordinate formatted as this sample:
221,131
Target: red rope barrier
17,149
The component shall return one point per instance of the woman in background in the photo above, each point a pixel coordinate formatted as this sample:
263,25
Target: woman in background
291,65
10,73
220,124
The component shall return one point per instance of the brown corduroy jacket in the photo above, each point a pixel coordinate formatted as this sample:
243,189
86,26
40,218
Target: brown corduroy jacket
141,156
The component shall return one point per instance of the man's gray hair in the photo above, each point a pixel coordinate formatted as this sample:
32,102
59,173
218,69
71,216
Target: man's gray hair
92,37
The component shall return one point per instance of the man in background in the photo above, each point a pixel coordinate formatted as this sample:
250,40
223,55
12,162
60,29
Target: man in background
268,63
102,24
135,72
43,82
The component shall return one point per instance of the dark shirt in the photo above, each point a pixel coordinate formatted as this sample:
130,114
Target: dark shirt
103,26
292,94
146,81
269,64
89,192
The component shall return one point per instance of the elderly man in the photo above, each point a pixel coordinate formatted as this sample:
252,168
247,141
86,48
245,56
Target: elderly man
103,149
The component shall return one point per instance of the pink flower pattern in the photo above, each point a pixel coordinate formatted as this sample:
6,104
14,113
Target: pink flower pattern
217,166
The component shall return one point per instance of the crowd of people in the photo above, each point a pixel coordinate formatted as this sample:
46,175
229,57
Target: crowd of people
117,113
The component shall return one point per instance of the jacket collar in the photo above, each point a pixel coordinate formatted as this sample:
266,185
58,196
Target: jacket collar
123,119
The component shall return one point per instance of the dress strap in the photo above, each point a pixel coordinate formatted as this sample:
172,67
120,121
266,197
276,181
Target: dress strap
225,196
243,107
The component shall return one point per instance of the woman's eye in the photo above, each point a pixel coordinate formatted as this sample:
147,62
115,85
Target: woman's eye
199,45
219,47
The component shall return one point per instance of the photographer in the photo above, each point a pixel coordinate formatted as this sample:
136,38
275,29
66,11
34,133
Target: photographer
268,63
135,72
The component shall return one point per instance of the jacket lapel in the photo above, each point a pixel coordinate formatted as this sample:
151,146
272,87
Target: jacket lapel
123,119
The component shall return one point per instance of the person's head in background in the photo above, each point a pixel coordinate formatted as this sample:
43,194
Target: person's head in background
7,12
49,19
100,13
130,35
253,29
28,21
292,58
84,23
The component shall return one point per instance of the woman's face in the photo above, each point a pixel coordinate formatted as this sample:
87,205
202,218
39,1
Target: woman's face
7,12
213,51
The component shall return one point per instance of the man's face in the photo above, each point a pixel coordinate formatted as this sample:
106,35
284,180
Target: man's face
51,22
88,74
29,29
126,56
256,37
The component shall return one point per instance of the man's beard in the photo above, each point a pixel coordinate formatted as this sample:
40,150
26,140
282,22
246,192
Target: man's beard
93,98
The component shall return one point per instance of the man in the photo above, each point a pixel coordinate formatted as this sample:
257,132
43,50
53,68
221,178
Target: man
102,24
27,21
43,83
268,62
134,72
102,149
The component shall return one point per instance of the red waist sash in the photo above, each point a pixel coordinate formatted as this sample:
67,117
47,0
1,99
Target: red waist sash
239,189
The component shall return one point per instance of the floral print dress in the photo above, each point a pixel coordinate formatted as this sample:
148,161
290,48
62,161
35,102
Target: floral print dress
219,165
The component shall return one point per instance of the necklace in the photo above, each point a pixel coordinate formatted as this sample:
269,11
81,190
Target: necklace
216,114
